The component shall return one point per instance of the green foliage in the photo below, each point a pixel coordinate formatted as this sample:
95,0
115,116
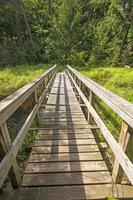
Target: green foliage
112,198
73,31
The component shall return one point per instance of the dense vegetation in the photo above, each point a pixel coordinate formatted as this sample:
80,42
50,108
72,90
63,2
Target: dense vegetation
66,31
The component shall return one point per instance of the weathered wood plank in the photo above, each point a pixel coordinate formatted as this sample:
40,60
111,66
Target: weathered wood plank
63,123
52,143
73,178
72,120
61,136
90,192
65,149
65,126
66,167
65,157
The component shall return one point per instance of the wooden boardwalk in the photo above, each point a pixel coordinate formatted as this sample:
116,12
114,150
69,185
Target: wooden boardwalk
65,162
65,156
65,152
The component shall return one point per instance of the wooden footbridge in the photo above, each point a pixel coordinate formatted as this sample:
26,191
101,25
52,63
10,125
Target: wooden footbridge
65,162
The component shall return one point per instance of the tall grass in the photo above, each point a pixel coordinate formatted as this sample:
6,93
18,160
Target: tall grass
117,80
13,78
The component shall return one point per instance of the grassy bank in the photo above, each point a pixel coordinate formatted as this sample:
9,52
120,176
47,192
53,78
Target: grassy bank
117,80
13,78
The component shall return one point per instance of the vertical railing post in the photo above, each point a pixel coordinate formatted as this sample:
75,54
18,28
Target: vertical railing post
80,86
36,101
92,102
5,143
123,142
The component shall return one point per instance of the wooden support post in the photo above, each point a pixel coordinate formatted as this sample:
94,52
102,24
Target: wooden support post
5,143
80,86
123,142
44,86
36,101
91,100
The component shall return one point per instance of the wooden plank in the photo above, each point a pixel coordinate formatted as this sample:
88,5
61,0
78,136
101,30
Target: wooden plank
63,123
89,192
67,126
61,113
65,149
115,147
65,157
64,109
66,167
74,178
52,143
64,131
74,119
65,117
59,136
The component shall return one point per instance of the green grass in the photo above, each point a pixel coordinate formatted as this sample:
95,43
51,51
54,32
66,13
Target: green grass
117,80
13,78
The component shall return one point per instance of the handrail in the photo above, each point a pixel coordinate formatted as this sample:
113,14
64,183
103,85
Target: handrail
119,105
117,148
12,102
8,107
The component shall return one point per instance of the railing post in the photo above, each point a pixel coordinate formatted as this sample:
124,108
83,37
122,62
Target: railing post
91,100
80,86
5,142
123,142
36,101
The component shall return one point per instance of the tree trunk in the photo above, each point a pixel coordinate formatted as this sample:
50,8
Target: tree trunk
50,6
26,22
124,41
17,21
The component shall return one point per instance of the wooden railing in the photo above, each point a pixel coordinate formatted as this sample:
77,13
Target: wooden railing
8,149
120,106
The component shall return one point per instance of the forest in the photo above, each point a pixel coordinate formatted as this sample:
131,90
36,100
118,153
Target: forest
87,33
